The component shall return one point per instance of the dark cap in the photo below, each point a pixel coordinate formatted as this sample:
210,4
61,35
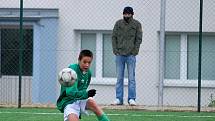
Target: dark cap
128,10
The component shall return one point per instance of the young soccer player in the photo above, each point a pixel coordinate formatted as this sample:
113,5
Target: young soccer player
76,99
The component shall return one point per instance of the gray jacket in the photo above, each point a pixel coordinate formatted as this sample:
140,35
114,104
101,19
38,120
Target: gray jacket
126,37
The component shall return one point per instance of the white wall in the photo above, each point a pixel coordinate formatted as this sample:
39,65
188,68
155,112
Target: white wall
181,16
29,3
102,15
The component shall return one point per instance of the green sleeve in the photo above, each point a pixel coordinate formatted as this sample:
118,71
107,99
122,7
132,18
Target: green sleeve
69,95
74,93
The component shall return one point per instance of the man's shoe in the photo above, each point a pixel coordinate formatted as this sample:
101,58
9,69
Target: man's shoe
117,102
132,102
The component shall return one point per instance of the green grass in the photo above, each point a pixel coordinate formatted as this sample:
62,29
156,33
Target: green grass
48,114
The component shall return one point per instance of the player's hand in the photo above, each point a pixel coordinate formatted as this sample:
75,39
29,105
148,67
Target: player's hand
91,93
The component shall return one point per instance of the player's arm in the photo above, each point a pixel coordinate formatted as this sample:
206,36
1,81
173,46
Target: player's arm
91,92
81,93
74,93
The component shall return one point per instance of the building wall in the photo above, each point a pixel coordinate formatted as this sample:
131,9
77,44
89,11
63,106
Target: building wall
101,15
35,89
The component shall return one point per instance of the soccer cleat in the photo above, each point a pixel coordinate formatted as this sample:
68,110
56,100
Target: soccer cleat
132,102
117,102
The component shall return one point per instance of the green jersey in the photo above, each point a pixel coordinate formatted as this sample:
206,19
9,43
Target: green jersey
78,91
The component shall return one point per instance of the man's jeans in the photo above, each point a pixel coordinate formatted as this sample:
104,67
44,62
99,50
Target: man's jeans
121,61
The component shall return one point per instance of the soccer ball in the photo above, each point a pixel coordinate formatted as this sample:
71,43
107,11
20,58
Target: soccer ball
67,77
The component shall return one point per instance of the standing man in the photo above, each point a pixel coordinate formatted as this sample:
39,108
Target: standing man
126,40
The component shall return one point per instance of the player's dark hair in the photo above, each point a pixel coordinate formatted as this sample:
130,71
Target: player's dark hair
84,53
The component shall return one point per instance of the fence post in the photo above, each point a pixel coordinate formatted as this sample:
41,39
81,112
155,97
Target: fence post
20,52
200,55
161,58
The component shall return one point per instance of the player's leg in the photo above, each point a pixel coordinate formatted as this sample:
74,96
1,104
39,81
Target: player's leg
72,112
92,105
120,67
73,117
131,63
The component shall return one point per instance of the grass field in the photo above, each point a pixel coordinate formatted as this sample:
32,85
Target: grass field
50,114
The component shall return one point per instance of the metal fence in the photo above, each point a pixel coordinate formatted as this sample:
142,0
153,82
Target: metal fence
55,32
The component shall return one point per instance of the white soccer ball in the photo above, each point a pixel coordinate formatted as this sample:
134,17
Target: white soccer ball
67,77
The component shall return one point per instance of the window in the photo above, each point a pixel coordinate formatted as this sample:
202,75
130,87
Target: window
109,65
103,66
181,56
172,57
88,41
10,51
208,57
108,57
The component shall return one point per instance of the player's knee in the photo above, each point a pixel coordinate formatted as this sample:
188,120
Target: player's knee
91,104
